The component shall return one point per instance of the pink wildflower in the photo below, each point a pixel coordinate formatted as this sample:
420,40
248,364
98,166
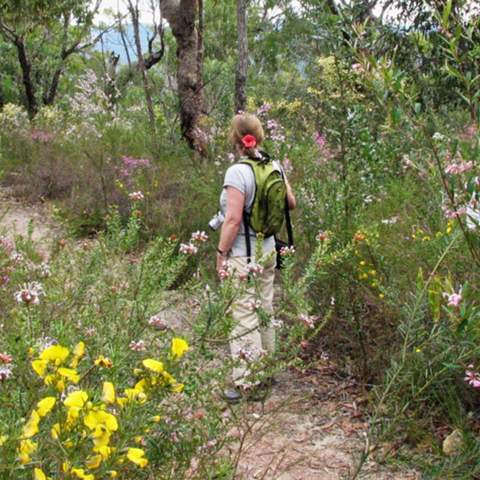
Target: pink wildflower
137,346
453,299
41,136
5,373
157,322
226,270
308,320
188,248
5,358
253,305
254,269
322,236
30,293
136,196
199,236
287,251
473,378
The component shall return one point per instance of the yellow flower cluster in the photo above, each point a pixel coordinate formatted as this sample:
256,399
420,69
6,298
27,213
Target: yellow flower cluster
51,365
78,414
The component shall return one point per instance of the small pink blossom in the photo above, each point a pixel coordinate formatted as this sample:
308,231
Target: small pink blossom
472,378
30,293
199,236
308,320
253,306
5,358
90,331
5,373
322,236
188,248
458,168
287,251
452,214
453,299
254,269
157,322
266,107
136,196
41,136
137,346
226,270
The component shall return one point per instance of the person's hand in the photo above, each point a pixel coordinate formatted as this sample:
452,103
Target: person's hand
221,259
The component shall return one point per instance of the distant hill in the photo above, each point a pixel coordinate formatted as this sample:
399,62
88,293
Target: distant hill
112,42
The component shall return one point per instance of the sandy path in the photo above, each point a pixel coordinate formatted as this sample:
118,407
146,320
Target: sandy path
17,218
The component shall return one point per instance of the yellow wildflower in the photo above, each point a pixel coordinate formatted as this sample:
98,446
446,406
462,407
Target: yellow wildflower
78,353
55,431
93,462
156,418
102,361
113,474
80,473
96,419
153,365
104,450
27,447
179,347
3,439
69,374
108,395
55,353
137,456
177,387
76,399
31,427
39,475
45,405
39,367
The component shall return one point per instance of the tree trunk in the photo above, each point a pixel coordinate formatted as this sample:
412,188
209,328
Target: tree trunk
26,67
141,63
242,62
181,15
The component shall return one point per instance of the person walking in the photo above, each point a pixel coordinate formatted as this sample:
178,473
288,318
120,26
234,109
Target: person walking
238,244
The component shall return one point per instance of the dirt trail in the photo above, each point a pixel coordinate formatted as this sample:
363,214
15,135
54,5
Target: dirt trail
16,218
311,427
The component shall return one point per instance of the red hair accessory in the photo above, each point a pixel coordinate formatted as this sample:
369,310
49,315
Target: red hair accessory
249,141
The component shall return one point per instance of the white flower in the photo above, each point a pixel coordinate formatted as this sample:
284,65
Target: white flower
30,293
438,136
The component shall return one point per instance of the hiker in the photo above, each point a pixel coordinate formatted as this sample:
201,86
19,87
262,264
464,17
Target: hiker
248,338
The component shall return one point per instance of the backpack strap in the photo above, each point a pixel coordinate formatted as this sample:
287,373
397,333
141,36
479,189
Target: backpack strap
248,244
288,223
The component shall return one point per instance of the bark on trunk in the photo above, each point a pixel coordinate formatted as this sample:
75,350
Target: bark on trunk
141,63
242,63
182,15
32,105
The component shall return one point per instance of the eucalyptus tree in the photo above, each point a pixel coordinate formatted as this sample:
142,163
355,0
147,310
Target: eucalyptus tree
45,35
185,18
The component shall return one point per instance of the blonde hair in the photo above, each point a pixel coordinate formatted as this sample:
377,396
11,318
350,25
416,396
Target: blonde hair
246,124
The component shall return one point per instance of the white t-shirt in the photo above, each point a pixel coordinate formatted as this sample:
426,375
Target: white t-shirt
241,177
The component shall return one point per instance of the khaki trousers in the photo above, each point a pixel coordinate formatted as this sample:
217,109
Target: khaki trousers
248,338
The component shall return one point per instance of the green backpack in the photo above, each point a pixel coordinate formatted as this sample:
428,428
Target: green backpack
269,207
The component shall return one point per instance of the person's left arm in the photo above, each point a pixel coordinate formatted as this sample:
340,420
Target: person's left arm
231,224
